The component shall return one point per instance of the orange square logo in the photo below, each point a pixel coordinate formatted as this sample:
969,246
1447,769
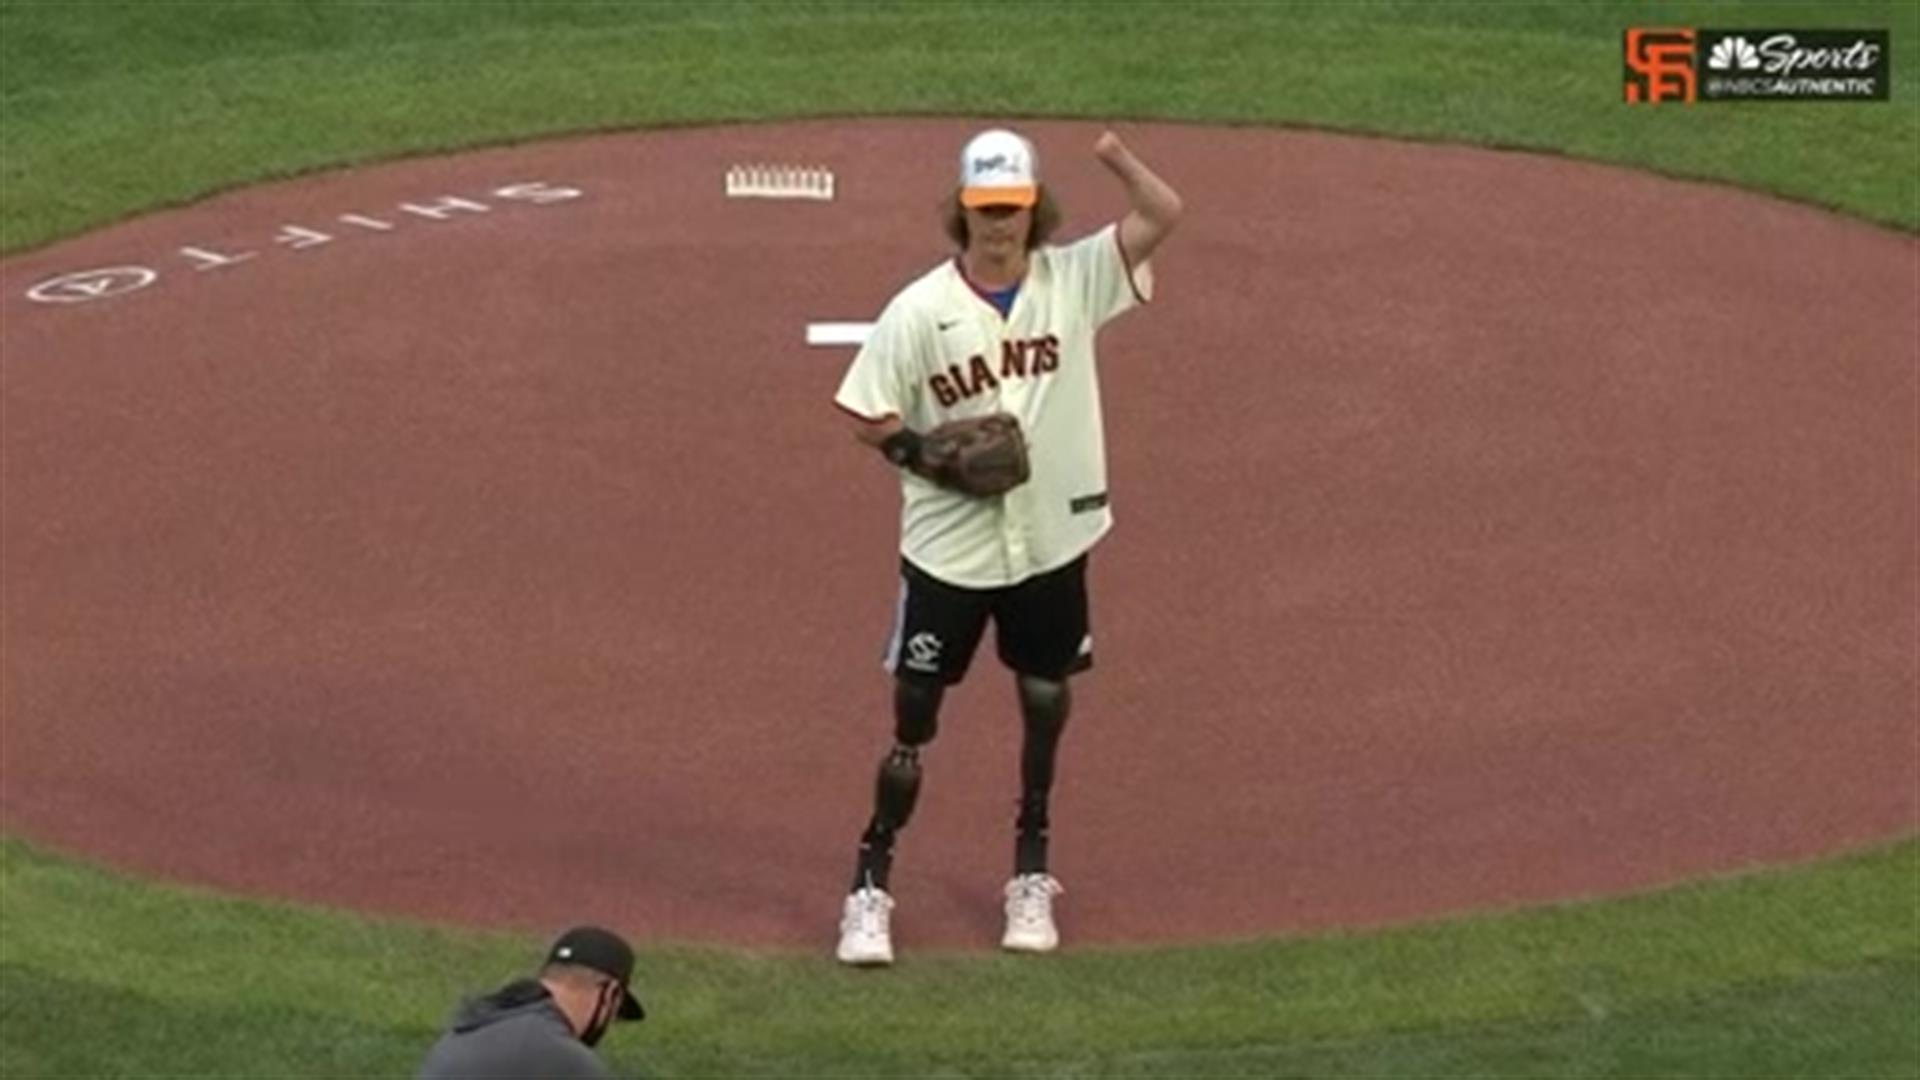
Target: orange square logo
1659,65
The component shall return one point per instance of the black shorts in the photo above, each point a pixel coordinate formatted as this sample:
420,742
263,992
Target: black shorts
1040,624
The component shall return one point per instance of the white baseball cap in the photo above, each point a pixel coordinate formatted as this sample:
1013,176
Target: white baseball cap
999,168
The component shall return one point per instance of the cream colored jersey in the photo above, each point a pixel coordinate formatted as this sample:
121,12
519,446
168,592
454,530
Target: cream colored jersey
941,351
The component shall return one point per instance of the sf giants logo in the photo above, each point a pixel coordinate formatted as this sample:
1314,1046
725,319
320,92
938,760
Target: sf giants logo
1018,360
1659,65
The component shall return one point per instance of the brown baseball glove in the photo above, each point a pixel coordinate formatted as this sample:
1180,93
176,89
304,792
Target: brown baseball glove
981,456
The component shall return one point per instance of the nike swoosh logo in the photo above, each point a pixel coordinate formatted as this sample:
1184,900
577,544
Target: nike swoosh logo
947,324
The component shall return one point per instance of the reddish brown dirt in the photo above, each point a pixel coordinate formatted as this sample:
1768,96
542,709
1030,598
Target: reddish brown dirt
1492,529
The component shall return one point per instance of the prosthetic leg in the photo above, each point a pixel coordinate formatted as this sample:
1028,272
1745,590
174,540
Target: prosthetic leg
916,710
1044,706
866,936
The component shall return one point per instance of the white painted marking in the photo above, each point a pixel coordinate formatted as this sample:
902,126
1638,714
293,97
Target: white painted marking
214,260
838,333
84,285
538,192
296,237
81,286
445,208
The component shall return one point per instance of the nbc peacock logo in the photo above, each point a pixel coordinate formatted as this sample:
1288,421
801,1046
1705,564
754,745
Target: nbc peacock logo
1734,54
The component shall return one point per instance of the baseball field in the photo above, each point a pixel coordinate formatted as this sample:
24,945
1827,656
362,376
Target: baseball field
111,112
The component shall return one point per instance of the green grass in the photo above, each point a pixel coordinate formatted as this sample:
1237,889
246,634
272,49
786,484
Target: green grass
1809,972
112,109
107,109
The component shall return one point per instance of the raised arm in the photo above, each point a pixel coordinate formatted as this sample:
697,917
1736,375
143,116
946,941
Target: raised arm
1154,207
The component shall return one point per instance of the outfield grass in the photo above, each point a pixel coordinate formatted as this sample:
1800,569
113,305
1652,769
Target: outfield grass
1811,972
107,109
110,109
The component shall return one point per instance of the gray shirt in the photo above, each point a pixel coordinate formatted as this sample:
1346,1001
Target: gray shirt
514,1033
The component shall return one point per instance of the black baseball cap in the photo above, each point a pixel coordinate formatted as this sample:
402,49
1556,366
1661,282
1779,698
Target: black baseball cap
605,952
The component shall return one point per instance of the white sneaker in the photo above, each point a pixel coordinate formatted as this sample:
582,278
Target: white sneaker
1030,914
865,936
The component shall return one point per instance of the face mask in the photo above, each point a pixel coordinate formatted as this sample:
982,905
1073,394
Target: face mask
603,1010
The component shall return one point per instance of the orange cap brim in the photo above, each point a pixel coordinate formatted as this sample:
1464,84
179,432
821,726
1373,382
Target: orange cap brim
975,198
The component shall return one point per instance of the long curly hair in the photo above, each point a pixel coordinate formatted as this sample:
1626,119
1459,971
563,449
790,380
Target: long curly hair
1047,217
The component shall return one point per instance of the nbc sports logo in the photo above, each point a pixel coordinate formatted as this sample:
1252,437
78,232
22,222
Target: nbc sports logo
1734,52
1685,65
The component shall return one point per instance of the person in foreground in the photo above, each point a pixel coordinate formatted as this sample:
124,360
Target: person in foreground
545,1026
979,386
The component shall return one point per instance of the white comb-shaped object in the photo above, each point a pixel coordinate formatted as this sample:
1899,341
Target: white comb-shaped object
780,182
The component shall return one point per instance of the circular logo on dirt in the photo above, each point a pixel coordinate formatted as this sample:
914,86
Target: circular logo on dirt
84,285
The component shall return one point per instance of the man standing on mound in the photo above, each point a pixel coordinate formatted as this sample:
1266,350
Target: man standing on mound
979,385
